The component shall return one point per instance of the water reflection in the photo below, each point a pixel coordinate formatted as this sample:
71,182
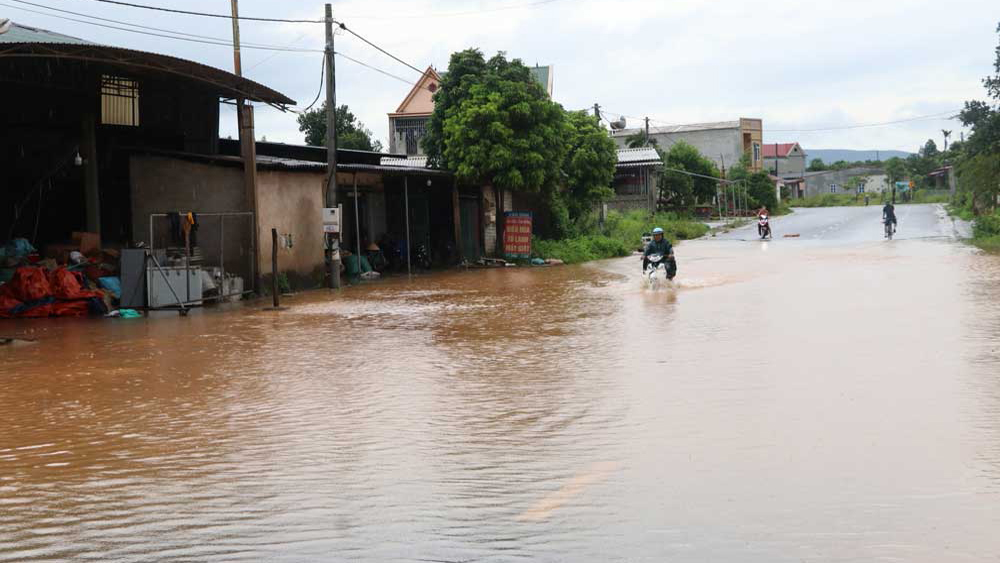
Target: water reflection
799,401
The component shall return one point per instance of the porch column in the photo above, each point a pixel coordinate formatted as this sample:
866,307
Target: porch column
88,150
406,199
458,220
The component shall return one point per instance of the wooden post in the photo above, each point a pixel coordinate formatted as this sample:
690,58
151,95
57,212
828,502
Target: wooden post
274,267
92,195
456,205
498,214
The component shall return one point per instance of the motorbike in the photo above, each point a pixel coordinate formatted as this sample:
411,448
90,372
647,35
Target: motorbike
657,264
764,227
421,257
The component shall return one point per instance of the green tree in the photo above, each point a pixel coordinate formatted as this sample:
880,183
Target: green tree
503,130
465,69
638,139
816,165
589,167
494,124
678,189
351,133
759,187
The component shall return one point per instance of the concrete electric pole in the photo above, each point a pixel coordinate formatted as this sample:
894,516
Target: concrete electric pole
331,148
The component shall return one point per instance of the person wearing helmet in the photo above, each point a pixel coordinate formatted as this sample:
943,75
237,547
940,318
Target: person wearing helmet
660,245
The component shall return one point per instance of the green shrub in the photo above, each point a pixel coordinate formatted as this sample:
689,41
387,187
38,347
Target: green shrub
986,226
620,235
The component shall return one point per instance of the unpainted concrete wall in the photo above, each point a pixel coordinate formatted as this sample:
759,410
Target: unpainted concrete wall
292,203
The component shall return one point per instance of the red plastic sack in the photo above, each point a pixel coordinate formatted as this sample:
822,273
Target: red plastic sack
6,304
65,285
28,284
70,308
38,312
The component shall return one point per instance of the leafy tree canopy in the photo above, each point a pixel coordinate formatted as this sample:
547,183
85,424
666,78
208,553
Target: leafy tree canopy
679,189
351,133
497,126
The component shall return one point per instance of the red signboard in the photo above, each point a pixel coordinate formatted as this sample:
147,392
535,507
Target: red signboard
517,234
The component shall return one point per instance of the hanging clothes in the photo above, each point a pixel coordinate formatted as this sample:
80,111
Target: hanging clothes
176,234
192,218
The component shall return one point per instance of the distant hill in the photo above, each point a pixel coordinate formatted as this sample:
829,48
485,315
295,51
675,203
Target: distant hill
829,156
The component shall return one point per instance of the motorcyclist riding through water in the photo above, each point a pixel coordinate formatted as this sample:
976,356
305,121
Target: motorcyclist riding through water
660,245
889,214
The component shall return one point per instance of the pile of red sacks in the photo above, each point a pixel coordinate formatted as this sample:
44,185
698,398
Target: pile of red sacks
60,293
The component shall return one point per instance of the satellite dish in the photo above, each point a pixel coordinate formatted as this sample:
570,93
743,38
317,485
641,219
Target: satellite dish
5,25
620,124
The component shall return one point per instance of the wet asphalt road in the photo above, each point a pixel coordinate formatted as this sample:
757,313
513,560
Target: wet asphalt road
856,224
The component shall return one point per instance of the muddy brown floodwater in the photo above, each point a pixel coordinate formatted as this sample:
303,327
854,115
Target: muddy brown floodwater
790,401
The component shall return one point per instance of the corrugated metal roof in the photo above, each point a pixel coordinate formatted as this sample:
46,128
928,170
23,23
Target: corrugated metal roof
641,154
290,163
688,128
408,162
392,169
20,41
17,33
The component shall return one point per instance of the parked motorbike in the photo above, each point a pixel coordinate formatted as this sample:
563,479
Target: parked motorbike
764,227
421,257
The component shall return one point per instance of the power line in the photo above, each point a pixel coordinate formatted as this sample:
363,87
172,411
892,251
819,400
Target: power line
454,14
276,53
166,33
859,126
380,49
204,14
376,69
206,37
322,82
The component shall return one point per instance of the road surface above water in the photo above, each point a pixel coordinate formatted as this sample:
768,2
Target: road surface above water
834,397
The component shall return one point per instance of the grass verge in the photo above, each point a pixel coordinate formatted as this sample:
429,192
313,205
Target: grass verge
621,234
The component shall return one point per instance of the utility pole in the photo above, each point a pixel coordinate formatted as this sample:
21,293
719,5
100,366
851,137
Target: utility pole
597,112
647,131
331,148
248,148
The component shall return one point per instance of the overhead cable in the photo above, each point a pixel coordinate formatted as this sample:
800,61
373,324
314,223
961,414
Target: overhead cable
380,49
863,125
453,14
204,14
169,34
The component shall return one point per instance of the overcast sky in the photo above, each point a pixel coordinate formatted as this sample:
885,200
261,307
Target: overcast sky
797,65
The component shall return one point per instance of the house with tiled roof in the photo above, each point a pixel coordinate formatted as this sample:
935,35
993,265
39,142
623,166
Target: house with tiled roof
785,160
408,124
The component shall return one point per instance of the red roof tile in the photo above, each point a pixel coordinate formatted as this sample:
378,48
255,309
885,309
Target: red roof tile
783,149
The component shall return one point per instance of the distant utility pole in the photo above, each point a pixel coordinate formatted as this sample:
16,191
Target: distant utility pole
248,147
647,131
331,147
597,112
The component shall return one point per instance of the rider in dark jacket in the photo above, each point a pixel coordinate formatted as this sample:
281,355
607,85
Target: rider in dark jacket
889,214
660,245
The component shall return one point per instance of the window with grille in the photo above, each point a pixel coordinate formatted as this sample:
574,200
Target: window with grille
410,131
119,101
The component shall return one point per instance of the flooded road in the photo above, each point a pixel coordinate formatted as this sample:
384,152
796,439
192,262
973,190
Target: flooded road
832,398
